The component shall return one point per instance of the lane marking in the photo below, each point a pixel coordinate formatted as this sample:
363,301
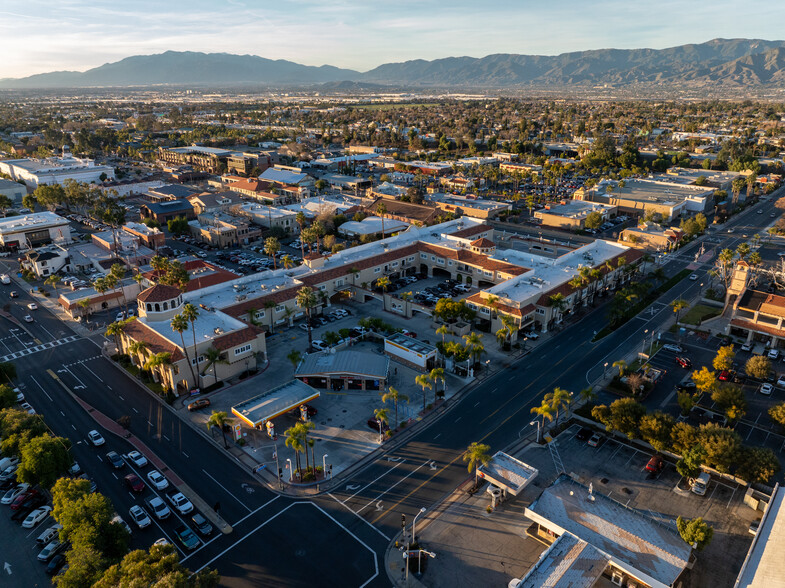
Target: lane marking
227,491
253,512
393,486
377,479
363,519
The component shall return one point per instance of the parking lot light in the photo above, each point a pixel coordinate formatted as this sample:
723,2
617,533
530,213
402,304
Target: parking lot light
538,429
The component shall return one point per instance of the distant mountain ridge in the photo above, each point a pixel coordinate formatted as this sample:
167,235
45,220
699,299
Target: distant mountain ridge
732,63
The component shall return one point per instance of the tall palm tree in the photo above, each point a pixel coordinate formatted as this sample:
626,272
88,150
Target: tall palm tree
161,362
443,330
678,305
474,345
116,329
287,262
295,440
380,414
179,325
476,454
212,357
117,271
437,375
507,329
306,428
546,411
587,394
219,419
135,350
301,220
396,397
381,210
52,281
559,398
306,299
424,381
190,314
84,304
271,247
492,302
383,283
622,365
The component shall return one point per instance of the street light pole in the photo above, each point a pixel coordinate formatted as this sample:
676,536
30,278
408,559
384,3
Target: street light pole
277,467
291,470
538,429
414,525
324,466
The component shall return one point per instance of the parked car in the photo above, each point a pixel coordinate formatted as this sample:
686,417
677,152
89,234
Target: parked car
11,494
700,484
137,459
139,516
655,464
180,502
773,353
134,483
96,438
673,347
319,345
594,441
684,362
766,389
725,376
374,424
159,508
187,537
157,479
9,473
115,460
202,525
51,550
584,434
746,347
36,517
118,520
48,534
686,387
199,404
781,381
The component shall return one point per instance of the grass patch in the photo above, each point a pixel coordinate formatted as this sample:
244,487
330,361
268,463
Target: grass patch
699,313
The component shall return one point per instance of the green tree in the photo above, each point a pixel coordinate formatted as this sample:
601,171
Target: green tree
381,210
695,532
689,466
705,380
623,415
212,357
437,375
44,459
724,358
621,365
683,437
474,345
686,401
396,397
593,220
271,247
306,299
295,439
424,381
731,400
757,464
7,397
219,419
758,367
546,411
157,568
655,429
476,454
177,226
190,314
777,413
722,446
29,201
383,283
677,306
16,429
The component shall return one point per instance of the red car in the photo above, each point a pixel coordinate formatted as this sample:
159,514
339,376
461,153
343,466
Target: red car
22,498
655,465
725,376
134,483
684,362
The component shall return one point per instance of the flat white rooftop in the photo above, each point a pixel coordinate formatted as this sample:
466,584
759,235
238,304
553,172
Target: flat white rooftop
30,222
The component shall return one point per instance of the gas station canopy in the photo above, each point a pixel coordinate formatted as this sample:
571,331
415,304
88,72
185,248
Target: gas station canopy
256,411
508,473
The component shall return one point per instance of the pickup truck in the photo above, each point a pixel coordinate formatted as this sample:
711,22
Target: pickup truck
180,502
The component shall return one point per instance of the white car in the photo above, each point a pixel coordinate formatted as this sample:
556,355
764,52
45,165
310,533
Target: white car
319,344
137,459
48,551
746,347
26,406
161,542
32,306
95,438
36,517
159,508
5,279
781,381
694,277
158,480
773,353
139,516
8,473
180,502
28,318
11,494
766,389
673,347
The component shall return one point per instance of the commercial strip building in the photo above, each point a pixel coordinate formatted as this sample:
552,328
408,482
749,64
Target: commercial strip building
462,206
256,412
572,214
148,236
651,236
344,370
591,536
267,216
163,212
371,226
18,233
209,202
55,170
655,195
410,351
207,159
764,567
757,316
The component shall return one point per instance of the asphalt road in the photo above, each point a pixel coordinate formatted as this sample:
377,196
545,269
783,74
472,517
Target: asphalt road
337,538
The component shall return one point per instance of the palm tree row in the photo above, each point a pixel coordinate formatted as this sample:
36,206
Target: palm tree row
297,439
551,405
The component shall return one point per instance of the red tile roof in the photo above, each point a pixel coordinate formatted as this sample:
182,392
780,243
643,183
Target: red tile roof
483,243
477,299
159,293
471,231
138,331
758,327
68,304
214,275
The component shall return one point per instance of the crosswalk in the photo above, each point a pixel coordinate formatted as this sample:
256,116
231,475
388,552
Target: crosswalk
37,348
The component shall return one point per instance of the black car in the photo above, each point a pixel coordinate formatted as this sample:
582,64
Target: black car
115,460
374,424
584,434
55,564
686,387
201,524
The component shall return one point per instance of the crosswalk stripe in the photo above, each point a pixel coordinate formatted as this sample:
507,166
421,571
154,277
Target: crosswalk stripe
37,348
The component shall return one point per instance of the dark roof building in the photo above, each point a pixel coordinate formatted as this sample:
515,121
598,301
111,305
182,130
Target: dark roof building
166,211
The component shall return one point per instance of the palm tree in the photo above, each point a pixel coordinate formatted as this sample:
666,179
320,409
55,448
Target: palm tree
301,220
161,361
476,454
190,314
507,329
295,440
269,306
474,345
622,365
587,394
135,349
306,299
492,302
117,271
212,357
381,210
678,305
646,258
287,261
443,330
219,419
294,356
116,329
425,382
271,247
179,325
546,411
84,304
437,375
305,428
381,416
383,283
355,272
52,281
559,398
396,397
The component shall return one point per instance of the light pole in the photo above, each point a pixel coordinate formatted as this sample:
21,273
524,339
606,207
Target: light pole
324,466
538,429
643,344
277,467
379,421
291,470
414,525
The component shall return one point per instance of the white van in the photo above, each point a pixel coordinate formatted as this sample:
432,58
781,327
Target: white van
5,279
700,484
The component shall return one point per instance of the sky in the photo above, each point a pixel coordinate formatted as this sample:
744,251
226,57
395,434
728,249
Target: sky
43,35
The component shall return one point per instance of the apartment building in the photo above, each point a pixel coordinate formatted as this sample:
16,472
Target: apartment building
223,230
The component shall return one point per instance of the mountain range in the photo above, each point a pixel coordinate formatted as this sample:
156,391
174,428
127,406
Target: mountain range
720,63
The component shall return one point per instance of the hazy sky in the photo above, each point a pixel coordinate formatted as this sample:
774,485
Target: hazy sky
44,35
